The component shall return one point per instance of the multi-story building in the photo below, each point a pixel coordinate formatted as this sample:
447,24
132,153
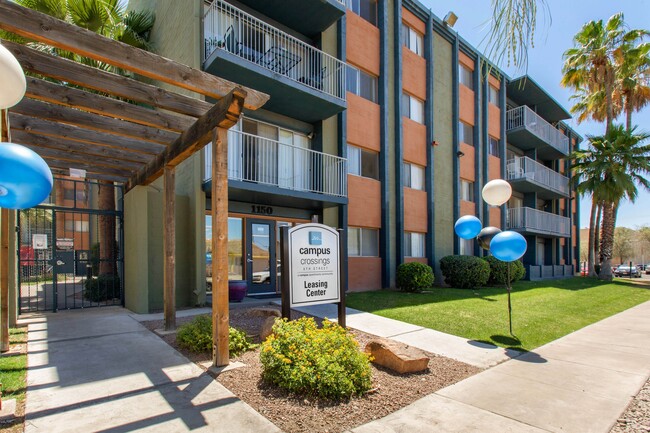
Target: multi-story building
382,120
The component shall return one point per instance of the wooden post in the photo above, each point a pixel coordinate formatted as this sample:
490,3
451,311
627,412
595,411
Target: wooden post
220,314
169,247
4,253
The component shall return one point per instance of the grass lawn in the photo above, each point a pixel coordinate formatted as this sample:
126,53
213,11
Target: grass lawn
13,368
542,311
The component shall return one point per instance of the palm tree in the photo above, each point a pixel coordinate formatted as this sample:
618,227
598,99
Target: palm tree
633,67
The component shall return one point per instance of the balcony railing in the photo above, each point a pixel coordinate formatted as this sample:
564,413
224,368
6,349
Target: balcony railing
525,117
536,221
229,28
526,168
256,159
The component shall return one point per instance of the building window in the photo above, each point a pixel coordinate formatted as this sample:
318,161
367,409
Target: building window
465,76
465,133
366,9
363,242
361,84
412,40
413,176
362,162
466,190
414,244
413,108
493,95
493,146
466,247
76,226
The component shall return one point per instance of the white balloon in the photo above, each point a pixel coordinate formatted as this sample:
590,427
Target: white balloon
496,192
12,79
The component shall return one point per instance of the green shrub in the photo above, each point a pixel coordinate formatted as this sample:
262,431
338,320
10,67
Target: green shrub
197,337
102,288
414,277
326,362
499,271
465,272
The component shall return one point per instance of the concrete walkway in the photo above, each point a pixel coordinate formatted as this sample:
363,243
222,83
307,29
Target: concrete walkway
99,370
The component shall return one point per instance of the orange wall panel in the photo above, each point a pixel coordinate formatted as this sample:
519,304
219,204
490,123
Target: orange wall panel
415,210
414,22
422,260
466,60
494,121
466,104
414,74
494,81
364,273
415,141
495,217
364,198
467,169
494,167
363,122
467,208
362,43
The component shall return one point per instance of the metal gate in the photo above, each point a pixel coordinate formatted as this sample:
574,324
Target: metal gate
70,249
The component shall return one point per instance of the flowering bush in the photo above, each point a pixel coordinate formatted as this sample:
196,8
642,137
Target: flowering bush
326,362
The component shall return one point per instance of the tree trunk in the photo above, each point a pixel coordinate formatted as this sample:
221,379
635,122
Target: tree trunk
106,201
599,213
590,253
609,104
607,242
628,118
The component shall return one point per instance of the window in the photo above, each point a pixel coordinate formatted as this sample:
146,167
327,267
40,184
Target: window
466,247
412,40
361,84
493,146
493,95
465,76
465,133
466,190
413,176
414,244
366,9
363,242
76,226
363,162
413,108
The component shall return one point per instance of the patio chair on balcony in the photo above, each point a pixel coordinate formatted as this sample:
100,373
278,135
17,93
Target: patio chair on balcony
315,80
515,170
279,60
233,45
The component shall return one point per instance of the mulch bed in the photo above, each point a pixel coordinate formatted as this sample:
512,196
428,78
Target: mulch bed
293,413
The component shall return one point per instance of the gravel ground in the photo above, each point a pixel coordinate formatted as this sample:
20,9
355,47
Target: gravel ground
295,414
636,417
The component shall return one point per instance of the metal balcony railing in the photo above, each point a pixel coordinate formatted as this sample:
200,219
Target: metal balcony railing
526,168
229,28
256,159
525,117
536,221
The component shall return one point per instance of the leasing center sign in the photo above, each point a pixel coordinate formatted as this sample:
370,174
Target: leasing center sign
314,265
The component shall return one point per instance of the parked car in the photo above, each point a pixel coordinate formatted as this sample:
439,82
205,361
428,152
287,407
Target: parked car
627,271
640,267
647,269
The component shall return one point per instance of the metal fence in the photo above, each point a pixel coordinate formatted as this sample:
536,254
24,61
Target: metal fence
256,159
537,221
526,168
525,117
229,28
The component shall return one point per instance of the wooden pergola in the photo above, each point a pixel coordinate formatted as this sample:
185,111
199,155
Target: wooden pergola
132,143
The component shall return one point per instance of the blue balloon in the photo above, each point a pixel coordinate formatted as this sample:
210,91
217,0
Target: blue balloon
25,179
508,246
468,227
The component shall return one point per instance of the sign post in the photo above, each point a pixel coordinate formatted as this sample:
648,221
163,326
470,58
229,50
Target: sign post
311,268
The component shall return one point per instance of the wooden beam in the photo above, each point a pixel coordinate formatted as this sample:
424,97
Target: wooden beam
111,173
4,253
82,119
99,161
169,247
56,171
98,104
117,85
44,28
224,114
74,133
220,307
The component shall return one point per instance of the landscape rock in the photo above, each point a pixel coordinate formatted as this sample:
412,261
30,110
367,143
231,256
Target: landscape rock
267,327
397,356
265,312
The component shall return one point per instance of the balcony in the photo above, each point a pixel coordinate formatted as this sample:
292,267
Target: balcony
536,222
269,172
309,17
527,130
304,82
528,175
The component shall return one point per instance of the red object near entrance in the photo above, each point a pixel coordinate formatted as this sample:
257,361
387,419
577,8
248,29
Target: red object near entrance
26,255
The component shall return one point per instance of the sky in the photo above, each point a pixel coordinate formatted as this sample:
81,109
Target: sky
553,37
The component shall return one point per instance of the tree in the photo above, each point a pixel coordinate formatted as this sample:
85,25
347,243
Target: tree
633,68
623,244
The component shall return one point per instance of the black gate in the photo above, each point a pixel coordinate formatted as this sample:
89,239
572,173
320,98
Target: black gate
70,249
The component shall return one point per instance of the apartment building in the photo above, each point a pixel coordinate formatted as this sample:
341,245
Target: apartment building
381,121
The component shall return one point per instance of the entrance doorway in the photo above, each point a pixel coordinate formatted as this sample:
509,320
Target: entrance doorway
262,266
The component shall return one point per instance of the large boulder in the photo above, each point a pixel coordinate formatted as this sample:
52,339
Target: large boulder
397,356
265,312
267,327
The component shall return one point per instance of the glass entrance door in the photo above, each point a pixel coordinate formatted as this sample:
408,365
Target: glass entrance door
261,265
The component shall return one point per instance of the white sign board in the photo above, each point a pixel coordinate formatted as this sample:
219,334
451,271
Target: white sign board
314,265
39,242
65,244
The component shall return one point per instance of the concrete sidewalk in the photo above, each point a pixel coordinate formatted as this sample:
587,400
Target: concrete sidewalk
99,370
579,383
